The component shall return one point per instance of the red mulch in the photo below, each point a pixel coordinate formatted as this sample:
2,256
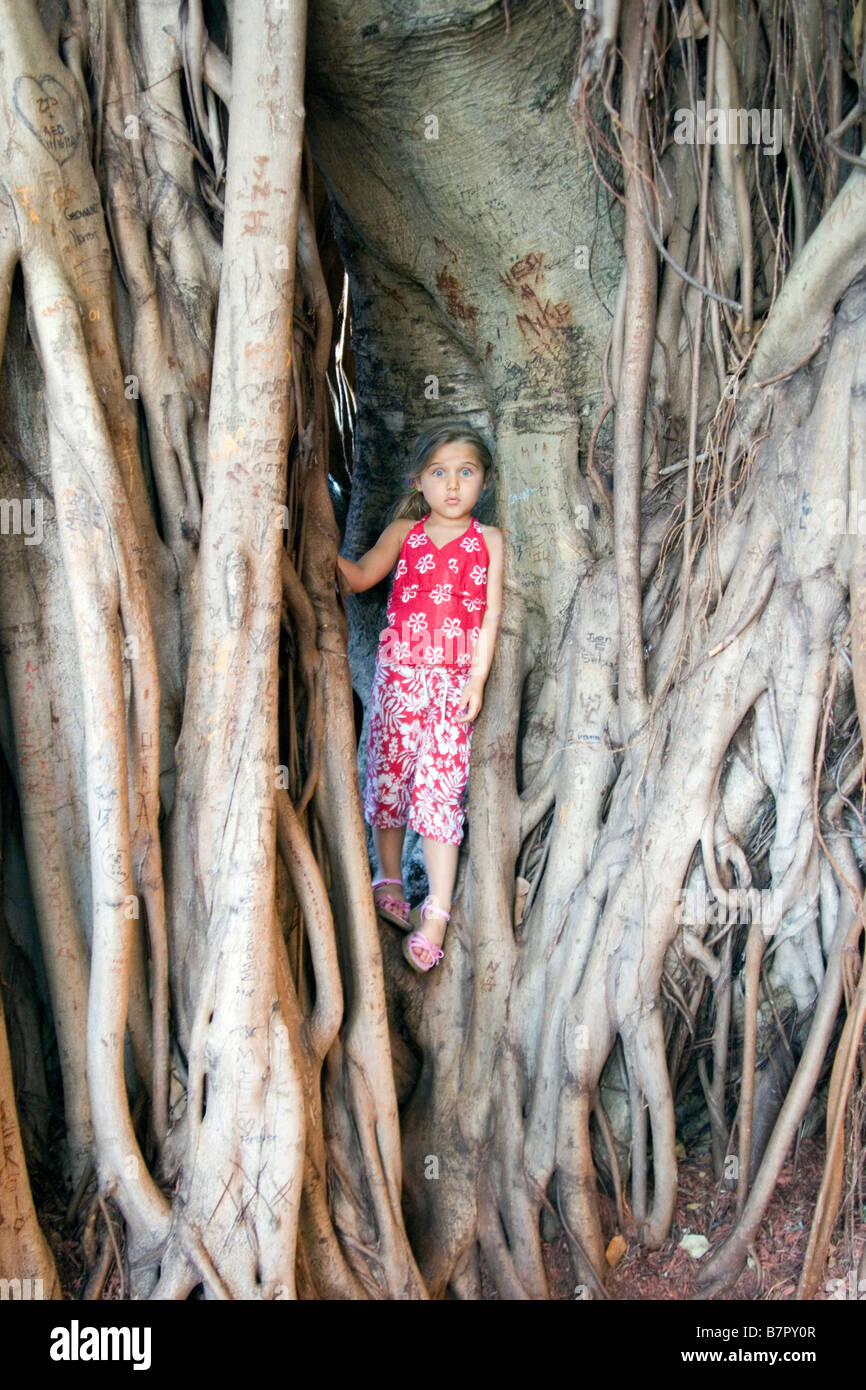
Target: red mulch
704,1209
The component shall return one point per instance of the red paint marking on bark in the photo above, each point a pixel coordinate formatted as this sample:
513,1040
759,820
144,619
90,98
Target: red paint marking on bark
456,301
541,324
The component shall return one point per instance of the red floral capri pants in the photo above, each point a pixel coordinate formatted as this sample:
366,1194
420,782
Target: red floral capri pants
417,752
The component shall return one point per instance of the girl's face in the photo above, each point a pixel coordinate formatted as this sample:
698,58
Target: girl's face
452,481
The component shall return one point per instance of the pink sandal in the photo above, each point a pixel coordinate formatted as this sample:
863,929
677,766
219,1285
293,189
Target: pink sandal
394,910
420,943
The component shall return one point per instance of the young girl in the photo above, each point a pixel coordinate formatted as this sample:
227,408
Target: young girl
433,660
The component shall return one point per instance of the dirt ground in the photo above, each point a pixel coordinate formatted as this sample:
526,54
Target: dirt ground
704,1209
669,1273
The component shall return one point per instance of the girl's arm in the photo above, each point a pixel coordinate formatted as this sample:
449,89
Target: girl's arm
482,659
380,560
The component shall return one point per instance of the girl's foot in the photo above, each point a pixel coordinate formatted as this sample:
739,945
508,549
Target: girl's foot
421,950
393,909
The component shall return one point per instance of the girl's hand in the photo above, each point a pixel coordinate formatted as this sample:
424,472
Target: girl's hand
470,701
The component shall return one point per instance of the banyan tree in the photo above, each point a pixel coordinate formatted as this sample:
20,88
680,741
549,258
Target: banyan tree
247,251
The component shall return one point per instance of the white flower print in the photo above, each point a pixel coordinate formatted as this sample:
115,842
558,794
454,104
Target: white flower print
442,593
419,538
402,651
434,655
452,564
470,543
425,563
464,659
479,574
447,739
417,622
390,615
451,627
415,700
401,569
409,592
473,604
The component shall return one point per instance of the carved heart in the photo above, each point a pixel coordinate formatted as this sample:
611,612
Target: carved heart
48,111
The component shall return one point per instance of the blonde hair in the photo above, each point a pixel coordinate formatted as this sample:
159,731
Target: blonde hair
412,504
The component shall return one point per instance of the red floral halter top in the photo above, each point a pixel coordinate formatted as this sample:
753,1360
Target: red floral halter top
438,599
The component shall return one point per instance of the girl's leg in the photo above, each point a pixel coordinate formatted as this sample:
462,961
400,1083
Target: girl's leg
437,812
386,794
389,851
441,862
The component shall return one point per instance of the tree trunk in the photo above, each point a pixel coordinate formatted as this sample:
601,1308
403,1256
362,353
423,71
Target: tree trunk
663,337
